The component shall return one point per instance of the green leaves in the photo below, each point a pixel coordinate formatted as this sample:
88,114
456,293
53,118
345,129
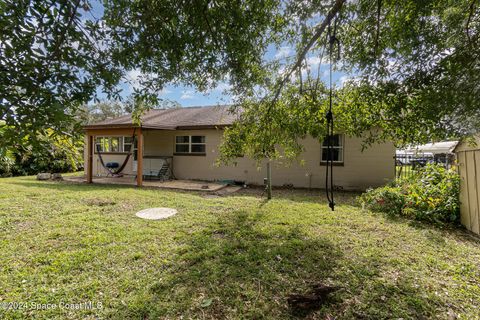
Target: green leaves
431,195
416,64
422,82
56,55
197,43
53,152
50,66
415,67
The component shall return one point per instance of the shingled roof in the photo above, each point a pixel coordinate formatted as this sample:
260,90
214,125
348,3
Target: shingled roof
174,119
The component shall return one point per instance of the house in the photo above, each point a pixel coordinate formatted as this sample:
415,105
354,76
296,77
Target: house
468,160
186,140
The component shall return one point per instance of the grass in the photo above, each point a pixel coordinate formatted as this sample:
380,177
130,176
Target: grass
227,257
404,171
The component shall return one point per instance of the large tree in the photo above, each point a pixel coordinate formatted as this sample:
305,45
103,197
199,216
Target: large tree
51,62
414,72
414,64
56,54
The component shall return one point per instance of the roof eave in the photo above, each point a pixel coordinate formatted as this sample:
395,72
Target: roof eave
109,126
128,126
199,127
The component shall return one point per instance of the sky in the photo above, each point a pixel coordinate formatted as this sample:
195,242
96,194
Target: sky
187,96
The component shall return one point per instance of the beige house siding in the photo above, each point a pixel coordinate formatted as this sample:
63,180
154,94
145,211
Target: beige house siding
373,167
468,157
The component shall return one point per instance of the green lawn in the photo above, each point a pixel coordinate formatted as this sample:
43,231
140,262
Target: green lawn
223,258
404,171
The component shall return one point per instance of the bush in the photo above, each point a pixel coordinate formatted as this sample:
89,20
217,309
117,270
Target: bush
432,195
51,153
386,199
7,162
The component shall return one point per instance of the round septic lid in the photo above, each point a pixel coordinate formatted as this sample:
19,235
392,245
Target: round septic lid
156,213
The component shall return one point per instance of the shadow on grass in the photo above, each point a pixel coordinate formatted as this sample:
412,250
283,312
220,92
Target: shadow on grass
68,186
294,195
84,187
436,232
301,195
241,266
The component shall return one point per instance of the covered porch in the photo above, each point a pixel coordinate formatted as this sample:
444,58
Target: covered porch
144,156
99,158
136,153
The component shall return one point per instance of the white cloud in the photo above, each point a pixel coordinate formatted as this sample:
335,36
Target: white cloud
221,87
187,94
283,52
348,78
133,78
282,70
343,79
313,62
165,91
310,66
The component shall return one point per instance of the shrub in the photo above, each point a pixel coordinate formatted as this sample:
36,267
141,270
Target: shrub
386,199
7,162
432,195
52,153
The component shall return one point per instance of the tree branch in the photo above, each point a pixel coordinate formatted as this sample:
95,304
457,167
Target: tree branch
60,41
377,35
318,33
470,15
210,30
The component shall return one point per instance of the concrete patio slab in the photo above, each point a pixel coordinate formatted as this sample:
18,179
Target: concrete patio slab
191,185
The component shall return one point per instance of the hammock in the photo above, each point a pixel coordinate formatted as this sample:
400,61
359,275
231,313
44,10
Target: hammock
124,164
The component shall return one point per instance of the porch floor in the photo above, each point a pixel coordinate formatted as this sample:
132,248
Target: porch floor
191,185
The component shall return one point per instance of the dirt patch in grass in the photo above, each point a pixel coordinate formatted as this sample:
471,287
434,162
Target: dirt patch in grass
99,202
317,296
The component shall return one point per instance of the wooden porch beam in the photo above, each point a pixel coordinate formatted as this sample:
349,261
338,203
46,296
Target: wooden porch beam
139,157
89,158
111,131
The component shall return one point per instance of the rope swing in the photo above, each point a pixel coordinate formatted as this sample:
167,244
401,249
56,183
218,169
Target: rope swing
332,40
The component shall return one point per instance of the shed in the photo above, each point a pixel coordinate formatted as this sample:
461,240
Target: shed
468,157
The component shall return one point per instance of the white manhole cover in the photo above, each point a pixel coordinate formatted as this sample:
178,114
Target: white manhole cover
156,213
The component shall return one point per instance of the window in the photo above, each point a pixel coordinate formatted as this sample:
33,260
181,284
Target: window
336,153
127,144
197,144
190,144
182,144
113,144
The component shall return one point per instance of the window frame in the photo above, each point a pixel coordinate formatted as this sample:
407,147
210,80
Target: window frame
131,144
189,144
340,147
121,144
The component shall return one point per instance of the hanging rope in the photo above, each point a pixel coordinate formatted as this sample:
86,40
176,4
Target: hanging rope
332,40
124,164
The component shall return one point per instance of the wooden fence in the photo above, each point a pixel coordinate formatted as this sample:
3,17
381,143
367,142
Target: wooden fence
469,168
